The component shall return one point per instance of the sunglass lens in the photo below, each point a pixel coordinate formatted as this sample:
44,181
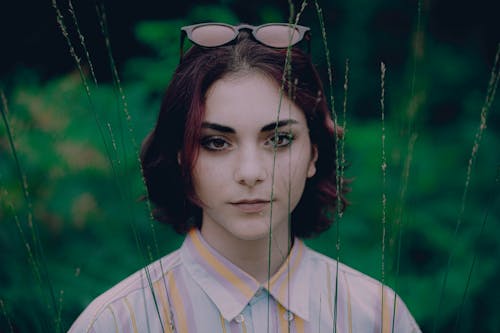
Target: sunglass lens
212,35
279,36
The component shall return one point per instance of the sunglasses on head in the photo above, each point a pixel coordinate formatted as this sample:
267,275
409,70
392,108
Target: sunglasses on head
275,35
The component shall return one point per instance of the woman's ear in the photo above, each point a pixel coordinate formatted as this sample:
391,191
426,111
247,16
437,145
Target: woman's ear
179,158
311,171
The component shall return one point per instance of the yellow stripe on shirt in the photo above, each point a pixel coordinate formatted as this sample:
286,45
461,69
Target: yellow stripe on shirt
132,314
329,289
299,324
284,287
220,268
160,291
178,305
386,313
282,322
114,317
349,311
223,323
299,247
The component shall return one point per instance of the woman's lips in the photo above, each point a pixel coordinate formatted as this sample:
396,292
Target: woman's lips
251,206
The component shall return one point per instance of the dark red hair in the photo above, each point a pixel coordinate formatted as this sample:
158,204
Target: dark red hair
169,152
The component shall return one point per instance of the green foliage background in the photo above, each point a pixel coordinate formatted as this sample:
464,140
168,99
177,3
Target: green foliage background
79,158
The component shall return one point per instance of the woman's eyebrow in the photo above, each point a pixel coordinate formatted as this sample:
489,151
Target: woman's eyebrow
218,127
281,123
267,128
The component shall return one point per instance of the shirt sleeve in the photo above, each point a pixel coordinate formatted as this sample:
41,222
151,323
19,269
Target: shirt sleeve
90,323
404,321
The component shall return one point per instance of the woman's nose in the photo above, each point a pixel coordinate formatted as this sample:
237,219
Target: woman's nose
250,167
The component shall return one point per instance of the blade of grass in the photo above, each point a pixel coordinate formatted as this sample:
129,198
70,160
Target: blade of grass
7,317
36,255
22,180
384,188
291,96
72,51
490,203
286,77
490,96
342,142
101,13
319,12
412,112
399,215
124,108
288,74
123,194
82,41
59,322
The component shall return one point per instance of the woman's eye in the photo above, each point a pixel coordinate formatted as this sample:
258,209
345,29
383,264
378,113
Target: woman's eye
281,140
214,143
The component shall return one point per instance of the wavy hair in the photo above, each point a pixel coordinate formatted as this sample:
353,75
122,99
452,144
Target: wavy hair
169,152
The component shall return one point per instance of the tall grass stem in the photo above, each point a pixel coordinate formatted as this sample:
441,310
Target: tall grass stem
384,188
36,255
490,96
490,203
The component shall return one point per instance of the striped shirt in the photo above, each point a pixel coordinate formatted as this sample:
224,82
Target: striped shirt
196,289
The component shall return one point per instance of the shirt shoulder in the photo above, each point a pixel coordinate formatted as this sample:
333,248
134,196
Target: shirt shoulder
320,261
98,314
346,274
364,297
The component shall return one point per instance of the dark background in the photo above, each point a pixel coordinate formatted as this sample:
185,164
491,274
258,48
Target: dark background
89,229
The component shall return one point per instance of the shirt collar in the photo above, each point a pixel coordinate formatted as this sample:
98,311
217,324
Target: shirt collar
231,288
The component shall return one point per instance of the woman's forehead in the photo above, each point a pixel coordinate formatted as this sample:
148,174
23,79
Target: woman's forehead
249,98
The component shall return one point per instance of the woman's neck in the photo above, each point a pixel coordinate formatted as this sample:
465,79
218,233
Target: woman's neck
252,256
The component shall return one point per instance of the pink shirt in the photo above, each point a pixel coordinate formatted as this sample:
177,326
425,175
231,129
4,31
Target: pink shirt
195,289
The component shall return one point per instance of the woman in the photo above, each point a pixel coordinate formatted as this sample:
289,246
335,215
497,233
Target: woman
242,160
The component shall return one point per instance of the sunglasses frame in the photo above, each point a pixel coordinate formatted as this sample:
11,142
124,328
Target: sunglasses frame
186,31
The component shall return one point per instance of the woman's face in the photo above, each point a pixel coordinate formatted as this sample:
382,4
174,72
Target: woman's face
238,175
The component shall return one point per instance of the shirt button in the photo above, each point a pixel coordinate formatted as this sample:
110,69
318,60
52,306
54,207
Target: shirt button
288,316
239,318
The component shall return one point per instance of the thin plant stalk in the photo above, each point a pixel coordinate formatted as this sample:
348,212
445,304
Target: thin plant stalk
489,205
60,20
36,255
490,96
399,225
319,12
72,51
344,127
22,179
384,187
59,323
124,107
127,116
288,71
412,111
7,317
82,41
285,78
